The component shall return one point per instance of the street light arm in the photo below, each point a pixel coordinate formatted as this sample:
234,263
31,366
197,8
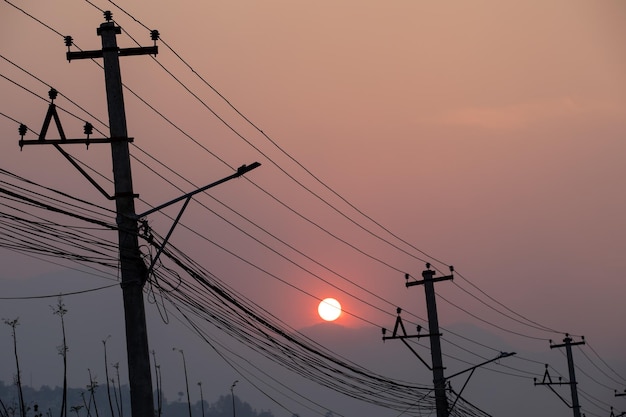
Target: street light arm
240,171
502,355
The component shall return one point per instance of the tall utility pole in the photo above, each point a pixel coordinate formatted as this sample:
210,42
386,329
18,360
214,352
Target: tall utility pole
439,379
547,380
133,270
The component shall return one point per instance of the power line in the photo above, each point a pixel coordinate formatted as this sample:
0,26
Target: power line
336,237
36,297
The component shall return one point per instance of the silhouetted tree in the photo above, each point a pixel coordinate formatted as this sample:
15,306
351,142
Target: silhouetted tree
60,311
18,380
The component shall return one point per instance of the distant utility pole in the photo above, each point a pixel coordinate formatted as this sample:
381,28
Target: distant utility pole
437,368
547,380
439,379
134,272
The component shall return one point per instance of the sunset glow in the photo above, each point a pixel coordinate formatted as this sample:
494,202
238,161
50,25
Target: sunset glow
393,140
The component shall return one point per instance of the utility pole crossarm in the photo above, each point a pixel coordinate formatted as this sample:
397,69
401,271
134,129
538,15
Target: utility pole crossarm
438,279
142,50
400,325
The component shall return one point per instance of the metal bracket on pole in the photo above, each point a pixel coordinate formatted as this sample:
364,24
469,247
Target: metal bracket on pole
471,371
88,129
623,413
187,197
400,325
549,383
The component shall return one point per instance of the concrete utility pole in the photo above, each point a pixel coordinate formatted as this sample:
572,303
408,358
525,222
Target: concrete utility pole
133,270
441,400
547,380
439,379
567,343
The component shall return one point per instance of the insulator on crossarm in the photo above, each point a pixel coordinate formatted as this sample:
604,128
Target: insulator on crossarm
22,130
108,16
88,129
68,42
52,94
154,35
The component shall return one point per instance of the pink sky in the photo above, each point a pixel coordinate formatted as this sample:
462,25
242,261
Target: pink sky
488,134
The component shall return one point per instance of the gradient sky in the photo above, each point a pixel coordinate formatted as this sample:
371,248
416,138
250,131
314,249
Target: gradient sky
488,134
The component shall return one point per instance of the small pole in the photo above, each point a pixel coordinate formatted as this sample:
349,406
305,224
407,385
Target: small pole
201,398
186,379
232,387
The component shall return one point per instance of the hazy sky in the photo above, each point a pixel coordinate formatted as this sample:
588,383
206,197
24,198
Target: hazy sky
487,134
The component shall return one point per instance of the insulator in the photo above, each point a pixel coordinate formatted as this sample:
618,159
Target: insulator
108,16
88,129
398,310
68,41
22,129
154,35
52,93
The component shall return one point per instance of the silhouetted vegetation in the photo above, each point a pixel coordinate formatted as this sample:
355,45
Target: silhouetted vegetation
17,400
48,401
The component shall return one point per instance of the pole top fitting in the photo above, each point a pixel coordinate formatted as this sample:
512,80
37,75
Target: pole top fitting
22,130
108,16
52,94
154,35
88,128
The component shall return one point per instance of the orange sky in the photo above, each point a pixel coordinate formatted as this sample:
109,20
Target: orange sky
488,134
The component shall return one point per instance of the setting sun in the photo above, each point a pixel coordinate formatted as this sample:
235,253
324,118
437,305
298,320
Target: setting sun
329,309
